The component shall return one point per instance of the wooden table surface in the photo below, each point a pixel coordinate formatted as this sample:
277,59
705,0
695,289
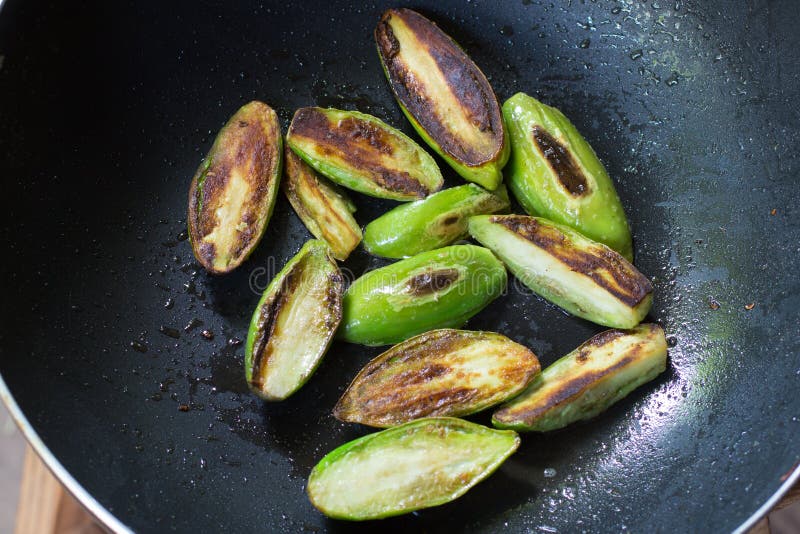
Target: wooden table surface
45,507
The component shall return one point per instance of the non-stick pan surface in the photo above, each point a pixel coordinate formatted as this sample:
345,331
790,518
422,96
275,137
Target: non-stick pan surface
106,109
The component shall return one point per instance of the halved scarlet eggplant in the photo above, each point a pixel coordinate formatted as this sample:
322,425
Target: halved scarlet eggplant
233,192
444,94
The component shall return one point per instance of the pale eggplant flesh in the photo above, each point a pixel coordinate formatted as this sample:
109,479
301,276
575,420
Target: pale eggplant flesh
585,278
588,380
444,95
424,463
439,373
233,191
363,153
294,323
324,208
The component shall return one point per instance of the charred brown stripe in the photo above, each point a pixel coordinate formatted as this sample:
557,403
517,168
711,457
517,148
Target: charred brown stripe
431,282
629,285
560,160
297,171
359,143
467,83
569,390
268,320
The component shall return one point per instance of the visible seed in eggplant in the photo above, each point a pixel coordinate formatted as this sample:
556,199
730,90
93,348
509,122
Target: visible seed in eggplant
588,380
586,278
444,94
294,323
233,192
439,373
424,463
363,153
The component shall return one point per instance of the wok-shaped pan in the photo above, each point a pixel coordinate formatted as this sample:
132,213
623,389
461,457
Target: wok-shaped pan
106,111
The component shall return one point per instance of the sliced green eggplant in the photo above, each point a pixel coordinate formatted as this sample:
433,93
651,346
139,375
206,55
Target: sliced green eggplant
294,323
555,174
444,94
421,464
437,221
363,153
586,278
439,373
588,380
323,207
441,288
233,192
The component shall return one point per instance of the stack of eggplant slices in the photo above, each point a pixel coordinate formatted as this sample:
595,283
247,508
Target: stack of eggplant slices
574,250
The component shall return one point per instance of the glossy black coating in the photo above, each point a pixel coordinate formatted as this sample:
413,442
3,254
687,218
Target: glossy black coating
106,109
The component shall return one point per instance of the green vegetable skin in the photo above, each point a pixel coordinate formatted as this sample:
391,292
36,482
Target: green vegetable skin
560,177
585,278
421,464
322,206
294,323
444,95
588,380
437,289
363,153
434,222
234,189
438,373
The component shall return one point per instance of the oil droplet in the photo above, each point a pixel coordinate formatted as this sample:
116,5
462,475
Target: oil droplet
585,43
616,10
169,304
208,334
138,346
170,332
507,30
549,472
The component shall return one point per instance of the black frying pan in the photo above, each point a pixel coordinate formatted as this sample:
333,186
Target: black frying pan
106,109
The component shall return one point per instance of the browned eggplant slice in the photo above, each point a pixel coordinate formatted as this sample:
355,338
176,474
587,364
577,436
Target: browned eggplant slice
444,94
233,192
439,373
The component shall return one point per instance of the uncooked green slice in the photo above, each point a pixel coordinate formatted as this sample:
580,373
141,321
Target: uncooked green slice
441,288
294,323
434,222
424,463
555,174
438,373
588,380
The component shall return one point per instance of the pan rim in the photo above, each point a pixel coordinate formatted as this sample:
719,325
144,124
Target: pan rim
97,510
111,522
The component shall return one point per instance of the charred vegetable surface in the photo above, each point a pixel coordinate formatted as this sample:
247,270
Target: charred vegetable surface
437,221
424,463
436,289
233,191
323,207
585,278
363,153
294,323
443,372
444,94
555,174
588,380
